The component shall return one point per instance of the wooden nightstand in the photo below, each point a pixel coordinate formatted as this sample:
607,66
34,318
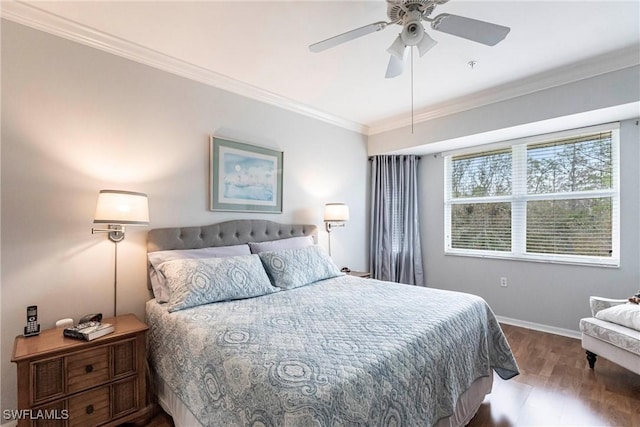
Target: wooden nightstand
83,383
363,274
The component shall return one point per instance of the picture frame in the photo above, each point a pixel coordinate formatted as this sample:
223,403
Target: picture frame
244,177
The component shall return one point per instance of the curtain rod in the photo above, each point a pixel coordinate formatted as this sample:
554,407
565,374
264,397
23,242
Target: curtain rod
416,156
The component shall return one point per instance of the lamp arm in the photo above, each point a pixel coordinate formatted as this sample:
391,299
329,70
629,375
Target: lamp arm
329,225
116,232
103,230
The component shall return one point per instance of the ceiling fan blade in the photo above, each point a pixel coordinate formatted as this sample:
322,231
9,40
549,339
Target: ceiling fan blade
470,29
395,67
349,35
425,44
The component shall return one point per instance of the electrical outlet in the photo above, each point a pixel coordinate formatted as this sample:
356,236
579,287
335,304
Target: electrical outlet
503,282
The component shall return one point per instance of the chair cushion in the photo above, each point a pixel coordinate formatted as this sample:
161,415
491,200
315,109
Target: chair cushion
620,336
624,314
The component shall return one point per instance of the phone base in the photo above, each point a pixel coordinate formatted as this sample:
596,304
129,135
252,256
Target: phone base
32,332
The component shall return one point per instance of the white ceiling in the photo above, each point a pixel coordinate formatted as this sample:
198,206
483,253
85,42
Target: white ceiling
260,49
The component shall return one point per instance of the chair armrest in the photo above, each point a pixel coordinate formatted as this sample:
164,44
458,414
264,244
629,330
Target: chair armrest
600,303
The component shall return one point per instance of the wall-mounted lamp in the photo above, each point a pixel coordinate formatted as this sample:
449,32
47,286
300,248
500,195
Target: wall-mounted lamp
117,209
335,215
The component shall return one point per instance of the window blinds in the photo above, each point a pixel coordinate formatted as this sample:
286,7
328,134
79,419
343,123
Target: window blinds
555,200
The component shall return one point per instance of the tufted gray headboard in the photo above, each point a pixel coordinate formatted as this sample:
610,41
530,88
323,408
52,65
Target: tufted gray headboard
236,232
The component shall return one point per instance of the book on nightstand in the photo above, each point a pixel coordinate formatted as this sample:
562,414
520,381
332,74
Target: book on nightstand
88,331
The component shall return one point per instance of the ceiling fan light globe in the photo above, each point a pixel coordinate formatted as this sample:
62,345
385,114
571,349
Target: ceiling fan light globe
425,44
397,48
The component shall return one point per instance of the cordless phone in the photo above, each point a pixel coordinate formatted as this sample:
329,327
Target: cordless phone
32,328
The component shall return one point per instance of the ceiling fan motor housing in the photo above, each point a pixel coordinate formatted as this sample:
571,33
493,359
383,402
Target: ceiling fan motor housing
396,9
413,31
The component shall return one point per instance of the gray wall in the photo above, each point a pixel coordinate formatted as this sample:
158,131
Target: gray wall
541,295
76,120
592,100
553,295
547,296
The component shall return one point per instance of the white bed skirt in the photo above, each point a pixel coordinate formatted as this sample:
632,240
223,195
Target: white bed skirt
468,403
467,406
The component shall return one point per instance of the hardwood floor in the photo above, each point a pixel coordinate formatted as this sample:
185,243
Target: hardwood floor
555,388
161,420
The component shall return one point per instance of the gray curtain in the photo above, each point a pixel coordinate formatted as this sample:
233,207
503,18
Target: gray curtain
395,252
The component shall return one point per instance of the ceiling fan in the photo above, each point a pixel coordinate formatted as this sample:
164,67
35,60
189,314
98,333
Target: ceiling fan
410,14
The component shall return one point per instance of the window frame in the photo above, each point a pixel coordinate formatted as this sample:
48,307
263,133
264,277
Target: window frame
518,199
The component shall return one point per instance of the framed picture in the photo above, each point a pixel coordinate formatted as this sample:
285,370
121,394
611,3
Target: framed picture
245,178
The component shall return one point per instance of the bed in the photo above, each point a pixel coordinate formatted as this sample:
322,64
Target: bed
338,351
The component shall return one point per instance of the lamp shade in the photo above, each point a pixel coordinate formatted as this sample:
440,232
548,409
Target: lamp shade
336,212
121,207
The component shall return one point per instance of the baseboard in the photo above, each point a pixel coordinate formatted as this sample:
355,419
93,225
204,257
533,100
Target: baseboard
539,327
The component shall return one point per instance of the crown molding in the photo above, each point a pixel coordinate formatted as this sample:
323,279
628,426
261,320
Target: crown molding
592,67
31,16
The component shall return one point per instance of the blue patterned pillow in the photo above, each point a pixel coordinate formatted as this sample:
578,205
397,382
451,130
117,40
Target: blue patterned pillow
292,268
195,282
159,282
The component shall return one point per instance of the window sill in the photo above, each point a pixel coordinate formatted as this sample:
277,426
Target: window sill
511,257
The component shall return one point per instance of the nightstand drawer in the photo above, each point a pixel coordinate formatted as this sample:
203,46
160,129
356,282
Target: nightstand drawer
89,408
93,407
87,368
81,371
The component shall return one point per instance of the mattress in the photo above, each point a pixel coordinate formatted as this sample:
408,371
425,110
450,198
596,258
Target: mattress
342,351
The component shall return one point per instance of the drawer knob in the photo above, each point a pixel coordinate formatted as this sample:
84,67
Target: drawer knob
89,409
88,369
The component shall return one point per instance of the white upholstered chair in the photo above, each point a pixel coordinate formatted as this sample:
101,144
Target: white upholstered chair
617,343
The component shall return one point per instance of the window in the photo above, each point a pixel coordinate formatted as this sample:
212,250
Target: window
550,198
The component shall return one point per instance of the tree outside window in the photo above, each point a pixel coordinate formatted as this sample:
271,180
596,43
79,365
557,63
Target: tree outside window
554,200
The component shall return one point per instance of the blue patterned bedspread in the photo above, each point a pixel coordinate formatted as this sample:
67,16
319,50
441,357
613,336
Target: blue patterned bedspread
341,352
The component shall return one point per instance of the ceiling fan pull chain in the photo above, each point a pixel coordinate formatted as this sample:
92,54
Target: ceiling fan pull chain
411,59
